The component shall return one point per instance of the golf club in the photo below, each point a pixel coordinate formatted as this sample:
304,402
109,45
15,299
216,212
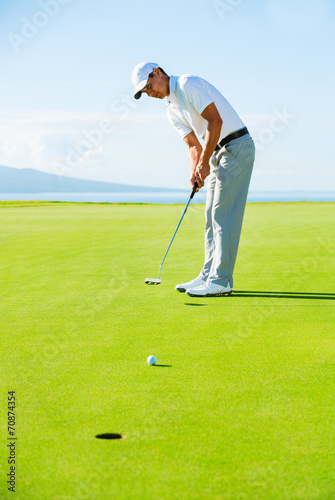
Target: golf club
153,281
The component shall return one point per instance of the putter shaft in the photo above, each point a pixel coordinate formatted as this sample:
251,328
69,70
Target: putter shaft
189,201
150,281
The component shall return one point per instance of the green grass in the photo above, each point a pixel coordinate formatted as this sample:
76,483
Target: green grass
245,409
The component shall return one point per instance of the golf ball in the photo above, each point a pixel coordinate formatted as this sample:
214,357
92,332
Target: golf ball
151,360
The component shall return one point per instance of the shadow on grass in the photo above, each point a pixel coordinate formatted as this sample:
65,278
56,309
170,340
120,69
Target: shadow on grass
188,304
284,295
164,366
273,295
109,435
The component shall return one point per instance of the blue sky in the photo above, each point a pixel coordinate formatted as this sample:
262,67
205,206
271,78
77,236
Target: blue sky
66,93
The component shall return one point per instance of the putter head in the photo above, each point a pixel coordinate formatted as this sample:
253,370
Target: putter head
152,281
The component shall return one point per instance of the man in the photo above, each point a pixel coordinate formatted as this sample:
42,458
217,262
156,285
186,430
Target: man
196,108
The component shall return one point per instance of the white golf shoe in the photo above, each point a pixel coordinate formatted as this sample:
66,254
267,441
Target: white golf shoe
191,284
209,290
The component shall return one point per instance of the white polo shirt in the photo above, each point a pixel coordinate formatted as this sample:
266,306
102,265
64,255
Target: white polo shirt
189,96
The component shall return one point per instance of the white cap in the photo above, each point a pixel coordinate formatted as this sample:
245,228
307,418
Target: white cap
140,76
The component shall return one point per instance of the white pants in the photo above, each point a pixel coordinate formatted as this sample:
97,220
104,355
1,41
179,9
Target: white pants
227,191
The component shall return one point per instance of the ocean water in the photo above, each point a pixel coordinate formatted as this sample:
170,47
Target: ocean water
166,197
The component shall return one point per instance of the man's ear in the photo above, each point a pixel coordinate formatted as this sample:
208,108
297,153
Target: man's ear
157,71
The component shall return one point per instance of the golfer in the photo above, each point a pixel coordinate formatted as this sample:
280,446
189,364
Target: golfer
197,109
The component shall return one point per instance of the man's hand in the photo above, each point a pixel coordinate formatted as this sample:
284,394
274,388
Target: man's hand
201,172
193,180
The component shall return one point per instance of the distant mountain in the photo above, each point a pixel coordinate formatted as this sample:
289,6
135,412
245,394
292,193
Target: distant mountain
27,180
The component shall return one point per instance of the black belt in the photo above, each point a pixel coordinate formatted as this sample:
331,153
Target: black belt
231,137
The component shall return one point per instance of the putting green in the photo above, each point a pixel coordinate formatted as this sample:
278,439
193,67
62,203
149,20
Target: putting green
241,404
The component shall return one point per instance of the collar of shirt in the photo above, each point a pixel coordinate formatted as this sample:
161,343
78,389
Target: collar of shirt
172,87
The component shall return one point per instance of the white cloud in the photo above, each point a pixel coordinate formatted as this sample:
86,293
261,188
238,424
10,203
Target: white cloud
79,142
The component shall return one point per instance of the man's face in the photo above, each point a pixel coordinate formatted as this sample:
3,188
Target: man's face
156,86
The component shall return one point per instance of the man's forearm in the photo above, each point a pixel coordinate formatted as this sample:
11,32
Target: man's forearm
211,140
194,154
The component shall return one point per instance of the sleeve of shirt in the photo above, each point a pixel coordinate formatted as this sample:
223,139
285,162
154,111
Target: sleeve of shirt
196,93
181,128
